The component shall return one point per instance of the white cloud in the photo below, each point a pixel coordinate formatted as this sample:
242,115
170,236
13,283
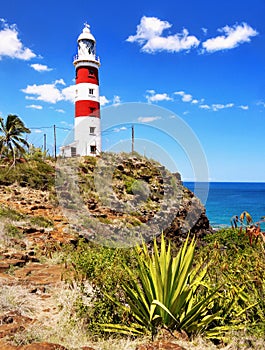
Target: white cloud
40,67
185,97
37,131
205,106
205,31
68,93
103,100
150,91
261,103
149,36
34,106
46,92
245,108
194,101
120,129
216,107
60,82
50,92
10,44
157,97
148,119
233,36
116,100
60,110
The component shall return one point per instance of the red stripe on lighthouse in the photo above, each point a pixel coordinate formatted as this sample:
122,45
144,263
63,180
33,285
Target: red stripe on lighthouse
87,108
87,75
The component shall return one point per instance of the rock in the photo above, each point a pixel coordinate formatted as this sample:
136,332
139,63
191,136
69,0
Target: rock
160,345
12,323
42,346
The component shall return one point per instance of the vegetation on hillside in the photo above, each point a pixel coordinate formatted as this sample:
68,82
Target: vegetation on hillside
146,291
215,290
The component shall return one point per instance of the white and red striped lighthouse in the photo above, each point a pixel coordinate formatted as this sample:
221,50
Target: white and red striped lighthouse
87,107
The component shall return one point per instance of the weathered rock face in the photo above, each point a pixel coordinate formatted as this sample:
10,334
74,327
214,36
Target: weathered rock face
125,197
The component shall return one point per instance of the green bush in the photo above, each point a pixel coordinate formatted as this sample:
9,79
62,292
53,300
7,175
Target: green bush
240,269
35,174
11,214
41,221
104,269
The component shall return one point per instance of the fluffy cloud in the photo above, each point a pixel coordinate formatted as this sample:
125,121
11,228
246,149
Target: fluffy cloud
153,97
184,96
149,36
40,67
34,106
103,100
204,106
216,107
148,119
68,93
123,128
50,92
245,108
233,36
11,45
116,100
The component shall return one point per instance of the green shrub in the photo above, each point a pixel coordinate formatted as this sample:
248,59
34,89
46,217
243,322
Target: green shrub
11,214
104,269
41,221
35,174
240,269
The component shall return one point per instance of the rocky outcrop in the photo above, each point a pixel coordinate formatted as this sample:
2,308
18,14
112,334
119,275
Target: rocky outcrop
122,197
117,199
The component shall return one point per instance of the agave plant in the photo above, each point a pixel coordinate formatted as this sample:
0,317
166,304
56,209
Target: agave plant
169,292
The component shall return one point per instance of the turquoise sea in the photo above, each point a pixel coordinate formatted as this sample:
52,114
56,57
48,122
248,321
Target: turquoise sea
226,199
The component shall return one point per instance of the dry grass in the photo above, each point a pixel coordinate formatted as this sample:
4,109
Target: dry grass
61,325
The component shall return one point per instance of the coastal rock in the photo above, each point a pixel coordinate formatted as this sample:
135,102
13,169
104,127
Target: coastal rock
160,345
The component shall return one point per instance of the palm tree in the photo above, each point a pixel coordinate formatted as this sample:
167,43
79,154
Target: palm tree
12,139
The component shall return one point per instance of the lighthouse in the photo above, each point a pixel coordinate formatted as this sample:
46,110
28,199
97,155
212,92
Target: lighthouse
87,134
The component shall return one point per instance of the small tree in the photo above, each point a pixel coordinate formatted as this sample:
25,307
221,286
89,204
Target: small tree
12,140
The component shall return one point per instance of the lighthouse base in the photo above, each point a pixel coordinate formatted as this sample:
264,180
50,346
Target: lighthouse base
87,138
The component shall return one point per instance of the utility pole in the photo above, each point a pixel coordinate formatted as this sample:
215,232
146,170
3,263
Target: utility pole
132,139
44,145
54,135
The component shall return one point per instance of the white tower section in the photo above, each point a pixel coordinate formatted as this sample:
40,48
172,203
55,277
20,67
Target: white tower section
87,132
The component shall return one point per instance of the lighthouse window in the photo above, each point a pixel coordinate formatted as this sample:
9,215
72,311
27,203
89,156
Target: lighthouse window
91,72
93,149
91,91
92,130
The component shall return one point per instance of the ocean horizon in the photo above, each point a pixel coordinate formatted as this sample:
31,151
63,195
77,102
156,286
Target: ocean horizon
226,199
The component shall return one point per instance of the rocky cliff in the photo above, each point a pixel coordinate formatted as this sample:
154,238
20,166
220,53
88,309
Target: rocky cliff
114,200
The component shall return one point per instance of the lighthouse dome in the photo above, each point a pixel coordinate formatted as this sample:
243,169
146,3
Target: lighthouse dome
86,34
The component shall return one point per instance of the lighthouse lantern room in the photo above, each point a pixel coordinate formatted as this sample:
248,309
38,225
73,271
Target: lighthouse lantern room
87,134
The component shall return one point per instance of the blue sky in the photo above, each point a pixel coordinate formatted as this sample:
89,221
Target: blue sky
203,61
